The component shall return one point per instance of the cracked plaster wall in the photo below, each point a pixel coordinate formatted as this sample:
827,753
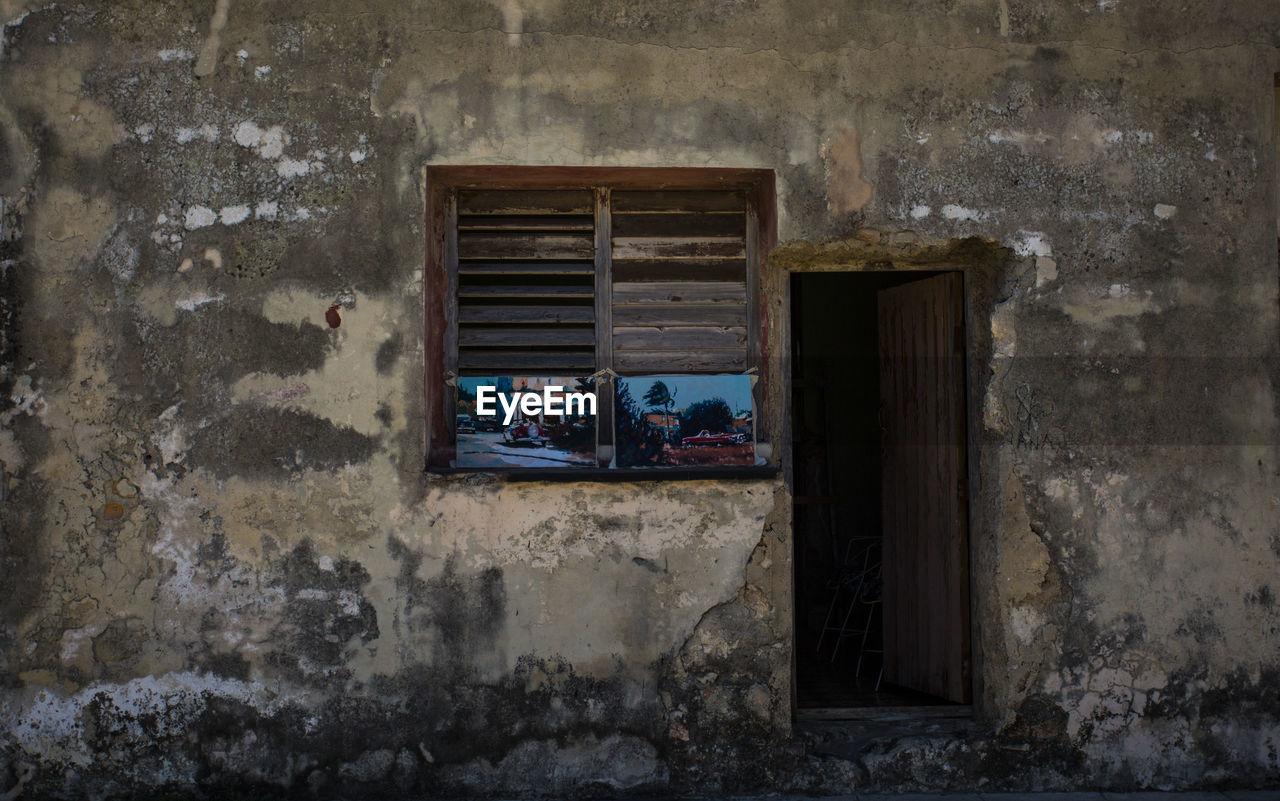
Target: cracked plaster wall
224,566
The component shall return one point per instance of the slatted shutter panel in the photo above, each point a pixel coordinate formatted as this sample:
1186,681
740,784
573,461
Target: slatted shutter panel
679,290
526,282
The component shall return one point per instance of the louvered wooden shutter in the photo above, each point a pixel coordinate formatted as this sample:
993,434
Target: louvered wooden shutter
526,282
671,273
680,282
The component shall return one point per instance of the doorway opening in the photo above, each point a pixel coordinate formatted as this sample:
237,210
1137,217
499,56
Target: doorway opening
880,518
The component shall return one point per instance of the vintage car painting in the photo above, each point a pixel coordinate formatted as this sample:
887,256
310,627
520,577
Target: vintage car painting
486,439
683,421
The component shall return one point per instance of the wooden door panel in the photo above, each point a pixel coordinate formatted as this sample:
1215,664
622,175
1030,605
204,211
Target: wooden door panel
926,567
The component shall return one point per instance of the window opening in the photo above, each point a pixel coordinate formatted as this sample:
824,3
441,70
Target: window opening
608,274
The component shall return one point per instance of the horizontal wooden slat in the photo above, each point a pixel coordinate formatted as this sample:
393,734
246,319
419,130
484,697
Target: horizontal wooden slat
526,314
553,362
521,222
678,337
692,361
527,335
526,268
680,292
495,246
679,270
678,201
644,247
526,291
680,225
527,201
685,314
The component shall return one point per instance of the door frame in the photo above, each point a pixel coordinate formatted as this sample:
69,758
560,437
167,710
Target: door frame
986,267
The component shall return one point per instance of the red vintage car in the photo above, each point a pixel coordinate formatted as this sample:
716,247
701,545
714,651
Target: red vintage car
525,432
705,437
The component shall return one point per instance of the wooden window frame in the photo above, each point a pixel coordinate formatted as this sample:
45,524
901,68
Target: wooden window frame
442,184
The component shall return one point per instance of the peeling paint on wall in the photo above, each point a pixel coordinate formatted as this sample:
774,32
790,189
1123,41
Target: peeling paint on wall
847,190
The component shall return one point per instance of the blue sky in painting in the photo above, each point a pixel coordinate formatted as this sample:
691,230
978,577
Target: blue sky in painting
735,389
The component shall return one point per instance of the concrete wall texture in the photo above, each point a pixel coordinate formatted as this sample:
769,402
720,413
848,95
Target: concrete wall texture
224,567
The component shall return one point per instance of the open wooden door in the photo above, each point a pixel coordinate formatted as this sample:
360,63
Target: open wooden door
923,488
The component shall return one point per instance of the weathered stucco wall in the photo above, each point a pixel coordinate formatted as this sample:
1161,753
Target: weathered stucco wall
223,565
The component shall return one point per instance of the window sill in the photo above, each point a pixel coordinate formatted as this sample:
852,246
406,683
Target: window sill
613,474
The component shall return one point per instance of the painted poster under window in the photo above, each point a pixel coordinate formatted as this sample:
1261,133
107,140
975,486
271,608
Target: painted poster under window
683,421
526,421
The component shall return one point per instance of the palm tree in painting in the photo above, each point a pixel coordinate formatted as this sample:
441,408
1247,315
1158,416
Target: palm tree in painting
660,397
636,443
